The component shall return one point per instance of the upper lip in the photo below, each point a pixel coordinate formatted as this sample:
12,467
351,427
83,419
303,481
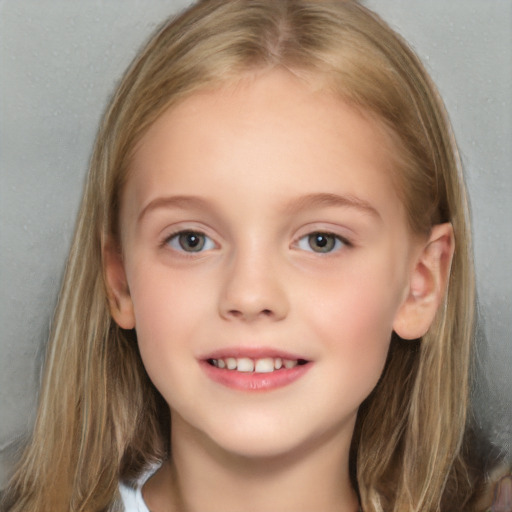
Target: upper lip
251,353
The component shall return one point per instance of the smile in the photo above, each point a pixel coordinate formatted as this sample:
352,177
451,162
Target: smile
261,365
256,370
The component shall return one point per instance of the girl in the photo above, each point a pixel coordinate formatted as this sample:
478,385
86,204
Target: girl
268,303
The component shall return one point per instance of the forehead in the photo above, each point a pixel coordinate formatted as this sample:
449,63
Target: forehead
271,133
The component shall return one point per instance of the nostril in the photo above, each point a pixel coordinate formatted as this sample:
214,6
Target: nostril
235,313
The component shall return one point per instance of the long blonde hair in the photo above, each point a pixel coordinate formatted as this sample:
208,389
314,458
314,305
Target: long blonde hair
101,419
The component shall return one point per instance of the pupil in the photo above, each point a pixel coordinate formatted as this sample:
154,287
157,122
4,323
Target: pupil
192,240
321,240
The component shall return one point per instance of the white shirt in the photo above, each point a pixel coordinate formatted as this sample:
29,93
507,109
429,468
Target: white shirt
132,498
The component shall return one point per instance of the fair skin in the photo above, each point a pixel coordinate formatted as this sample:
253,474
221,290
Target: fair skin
259,220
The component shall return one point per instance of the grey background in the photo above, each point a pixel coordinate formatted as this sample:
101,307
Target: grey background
59,62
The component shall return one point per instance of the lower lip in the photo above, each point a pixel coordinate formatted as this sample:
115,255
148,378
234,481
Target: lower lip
252,381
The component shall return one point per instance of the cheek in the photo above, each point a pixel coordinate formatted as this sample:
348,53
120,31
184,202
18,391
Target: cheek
353,320
169,317
359,346
360,303
168,308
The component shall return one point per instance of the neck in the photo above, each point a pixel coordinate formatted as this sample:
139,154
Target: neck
201,476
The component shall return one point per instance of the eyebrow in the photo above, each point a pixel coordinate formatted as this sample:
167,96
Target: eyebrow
331,200
308,201
173,202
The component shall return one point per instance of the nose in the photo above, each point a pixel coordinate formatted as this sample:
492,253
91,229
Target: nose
253,289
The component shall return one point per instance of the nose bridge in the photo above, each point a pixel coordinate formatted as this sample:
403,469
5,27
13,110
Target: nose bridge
252,286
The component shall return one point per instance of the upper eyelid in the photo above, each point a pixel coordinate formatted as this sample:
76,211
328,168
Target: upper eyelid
174,233
179,228
344,241
311,230
182,252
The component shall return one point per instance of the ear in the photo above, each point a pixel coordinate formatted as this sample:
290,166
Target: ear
427,284
120,301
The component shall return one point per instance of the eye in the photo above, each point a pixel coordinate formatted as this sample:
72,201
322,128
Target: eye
190,241
321,242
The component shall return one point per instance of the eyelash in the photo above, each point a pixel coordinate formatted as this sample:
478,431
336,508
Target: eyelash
337,241
175,238
331,241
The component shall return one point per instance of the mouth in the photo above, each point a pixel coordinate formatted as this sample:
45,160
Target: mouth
256,370
260,365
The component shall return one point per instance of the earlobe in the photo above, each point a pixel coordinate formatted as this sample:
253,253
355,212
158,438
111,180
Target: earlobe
120,301
427,284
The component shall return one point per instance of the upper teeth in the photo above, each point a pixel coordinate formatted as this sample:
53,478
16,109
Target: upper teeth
247,365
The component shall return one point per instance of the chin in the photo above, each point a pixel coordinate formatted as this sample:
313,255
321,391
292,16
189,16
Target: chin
251,435
275,438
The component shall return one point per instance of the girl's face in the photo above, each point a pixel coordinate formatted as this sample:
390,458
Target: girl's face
260,227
